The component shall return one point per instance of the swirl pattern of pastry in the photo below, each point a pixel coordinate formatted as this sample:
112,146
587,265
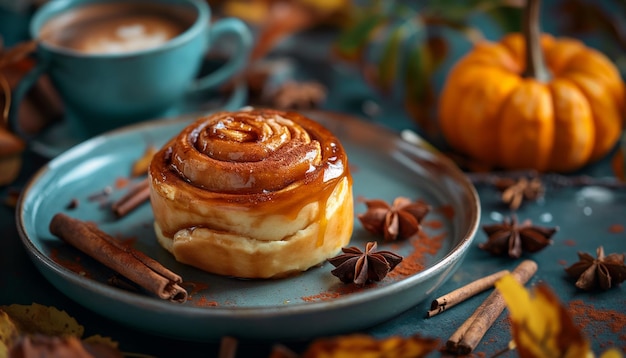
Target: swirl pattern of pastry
252,194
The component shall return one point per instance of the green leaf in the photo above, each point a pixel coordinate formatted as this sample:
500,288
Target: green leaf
418,71
509,19
460,10
354,39
390,59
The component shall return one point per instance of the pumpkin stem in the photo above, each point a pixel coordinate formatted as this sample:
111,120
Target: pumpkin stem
535,65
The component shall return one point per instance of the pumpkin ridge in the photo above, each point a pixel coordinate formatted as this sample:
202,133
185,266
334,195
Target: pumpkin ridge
606,116
595,64
500,127
559,56
574,132
478,104
527,127
458,104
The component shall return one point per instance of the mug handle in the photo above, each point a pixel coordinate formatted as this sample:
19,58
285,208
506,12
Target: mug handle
20,91
242,37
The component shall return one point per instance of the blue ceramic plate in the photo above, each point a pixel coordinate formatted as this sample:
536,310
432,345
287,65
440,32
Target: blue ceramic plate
310,304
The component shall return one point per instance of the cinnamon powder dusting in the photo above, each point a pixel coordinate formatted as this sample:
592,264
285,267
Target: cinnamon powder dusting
335,292
433,224
126,241
323,296
194,288
415,262
617,229
72,265
569,242
596,322
447,211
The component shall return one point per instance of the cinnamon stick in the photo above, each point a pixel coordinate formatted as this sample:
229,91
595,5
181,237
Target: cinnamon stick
468,335
461,294
136,195
128,262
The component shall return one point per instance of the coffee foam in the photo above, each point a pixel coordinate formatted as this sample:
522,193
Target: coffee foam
133,35
116,27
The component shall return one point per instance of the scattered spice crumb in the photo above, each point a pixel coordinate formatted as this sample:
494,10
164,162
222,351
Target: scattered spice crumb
569,242
336,292
73,204
121,183
563,262
616,229
204,302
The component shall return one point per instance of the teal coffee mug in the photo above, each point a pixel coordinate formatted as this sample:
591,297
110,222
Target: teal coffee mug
120,62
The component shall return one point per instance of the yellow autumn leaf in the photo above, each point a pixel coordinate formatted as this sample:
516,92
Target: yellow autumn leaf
246,10
328,6
612,353
36,320
541,326
47,320
365,346
8,333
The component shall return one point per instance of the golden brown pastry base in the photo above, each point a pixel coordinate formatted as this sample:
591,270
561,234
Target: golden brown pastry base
231,254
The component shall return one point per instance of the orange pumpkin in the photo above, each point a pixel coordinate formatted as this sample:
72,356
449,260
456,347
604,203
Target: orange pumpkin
492,112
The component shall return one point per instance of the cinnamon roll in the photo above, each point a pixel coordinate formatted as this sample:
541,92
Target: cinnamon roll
252,194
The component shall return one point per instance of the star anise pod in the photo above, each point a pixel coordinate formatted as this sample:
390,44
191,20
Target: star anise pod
603,272
361,267
398,221
510,238
514,192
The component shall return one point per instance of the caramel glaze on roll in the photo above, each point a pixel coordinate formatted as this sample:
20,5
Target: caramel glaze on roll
252,194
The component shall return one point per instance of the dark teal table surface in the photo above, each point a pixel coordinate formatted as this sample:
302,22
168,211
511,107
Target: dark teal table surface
587,217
